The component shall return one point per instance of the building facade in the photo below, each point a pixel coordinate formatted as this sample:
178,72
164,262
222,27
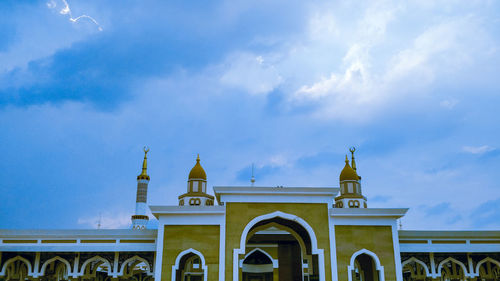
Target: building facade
254,233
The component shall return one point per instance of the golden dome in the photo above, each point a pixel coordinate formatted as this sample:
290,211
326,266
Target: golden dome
348,173
197,171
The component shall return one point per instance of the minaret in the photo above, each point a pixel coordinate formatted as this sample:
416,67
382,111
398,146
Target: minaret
196,194
350,187
140,219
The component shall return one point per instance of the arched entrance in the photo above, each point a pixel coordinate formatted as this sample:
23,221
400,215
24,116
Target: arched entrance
291,247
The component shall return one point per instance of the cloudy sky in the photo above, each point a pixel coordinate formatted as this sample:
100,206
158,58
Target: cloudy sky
286,85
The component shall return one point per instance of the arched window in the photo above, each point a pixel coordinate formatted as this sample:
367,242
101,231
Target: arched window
56,269
365,266
489,270
451,269
189,266
415,270
365,269
17,270
136,268
97,268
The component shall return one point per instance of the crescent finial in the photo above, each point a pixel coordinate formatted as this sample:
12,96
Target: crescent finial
146,149
352,149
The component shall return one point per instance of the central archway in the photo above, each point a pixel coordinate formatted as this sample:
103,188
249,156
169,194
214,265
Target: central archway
296,247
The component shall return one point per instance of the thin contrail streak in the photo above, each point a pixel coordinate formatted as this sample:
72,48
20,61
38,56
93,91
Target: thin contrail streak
67,11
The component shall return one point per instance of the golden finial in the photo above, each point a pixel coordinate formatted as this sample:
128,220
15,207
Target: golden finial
144,173
353,163
198,158
346,160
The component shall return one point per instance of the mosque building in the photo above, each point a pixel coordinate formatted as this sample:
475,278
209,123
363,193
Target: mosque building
253,233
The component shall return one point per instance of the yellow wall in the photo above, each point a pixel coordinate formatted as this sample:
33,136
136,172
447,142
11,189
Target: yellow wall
238,215
377,239
203,238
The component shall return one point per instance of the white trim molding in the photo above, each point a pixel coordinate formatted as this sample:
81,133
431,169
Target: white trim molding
175,267
397,253
159,250
333,249
302,222
379,267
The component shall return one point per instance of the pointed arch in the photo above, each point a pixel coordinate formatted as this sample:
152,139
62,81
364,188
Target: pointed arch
56,258
414,259
137,258
96,258
378,266
291,217
175,267
282,227
14,259
440,266
274,262
279,214
487,259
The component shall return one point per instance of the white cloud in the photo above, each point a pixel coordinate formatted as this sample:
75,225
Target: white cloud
478,149
355,91
355,68
278,160
449,103
251,73
420,58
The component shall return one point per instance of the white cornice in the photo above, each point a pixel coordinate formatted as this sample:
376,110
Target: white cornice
439,234
187,210
78,233
88,240
255,194
449,241
368,212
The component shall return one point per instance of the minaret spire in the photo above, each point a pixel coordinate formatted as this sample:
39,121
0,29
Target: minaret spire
353,163
144,173
252,180
140,219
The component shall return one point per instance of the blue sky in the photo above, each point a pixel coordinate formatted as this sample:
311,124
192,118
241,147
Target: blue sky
287,85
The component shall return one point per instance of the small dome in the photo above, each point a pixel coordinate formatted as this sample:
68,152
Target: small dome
348,173
197,171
